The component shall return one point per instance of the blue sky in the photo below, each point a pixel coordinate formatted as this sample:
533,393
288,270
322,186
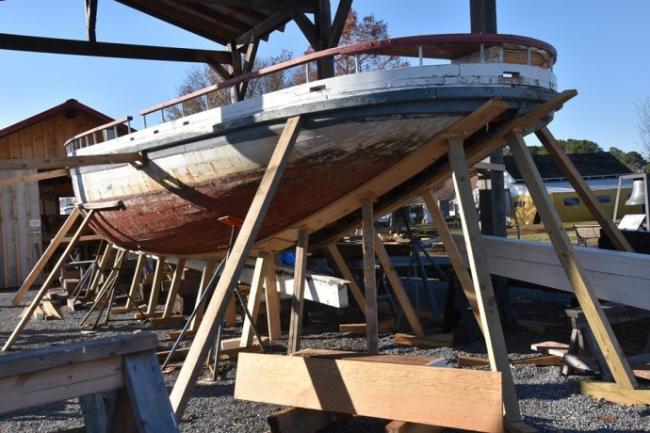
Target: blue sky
602,48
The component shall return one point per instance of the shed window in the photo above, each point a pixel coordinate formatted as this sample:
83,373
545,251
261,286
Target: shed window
66,204
571,201
604,199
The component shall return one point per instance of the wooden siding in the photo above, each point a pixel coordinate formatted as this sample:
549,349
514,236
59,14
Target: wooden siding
29,212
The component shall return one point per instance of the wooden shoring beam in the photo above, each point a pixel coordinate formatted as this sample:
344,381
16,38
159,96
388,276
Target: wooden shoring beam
235,69
298,297
156,285
91,20
69,161
454,254
272,299
103,264
253,303
583,290
262,29
42,262
485,298
369,275
398,289
214,313
48,282
106,49
135,281
173,288
206,275
346,273
449,397
13,181
563,162
307,28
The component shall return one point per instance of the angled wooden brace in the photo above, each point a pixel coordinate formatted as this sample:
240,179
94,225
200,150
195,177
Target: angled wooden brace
576,274
485,298
298,298
564,163
254,301
215,310
48,282
346,273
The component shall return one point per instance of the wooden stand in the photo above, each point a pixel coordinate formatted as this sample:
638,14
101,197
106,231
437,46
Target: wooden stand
122,366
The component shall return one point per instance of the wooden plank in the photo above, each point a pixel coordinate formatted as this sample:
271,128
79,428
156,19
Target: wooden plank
369,275
425,395
348,275
361,328
29,361
433,340
596,318
135,281
538,361
152,410
296,420
408,427
104,262
156,285
69,161
38,268
272,300
485,298
173,288
13,181
298,298
398,289
451,248
53,275
615,276
253,303
60,383
247,234
563,162
615,393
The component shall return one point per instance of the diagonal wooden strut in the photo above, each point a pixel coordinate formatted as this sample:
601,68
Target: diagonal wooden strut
298,298
596,318
46,256
452,251
487,305
245,239
48,282
586,194
347,274
254,301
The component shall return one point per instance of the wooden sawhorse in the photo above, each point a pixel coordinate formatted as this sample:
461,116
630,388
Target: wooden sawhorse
117,380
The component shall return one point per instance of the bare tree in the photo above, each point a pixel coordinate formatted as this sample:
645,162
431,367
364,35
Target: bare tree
643,110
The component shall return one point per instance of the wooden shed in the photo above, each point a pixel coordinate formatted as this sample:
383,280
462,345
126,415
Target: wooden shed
30,214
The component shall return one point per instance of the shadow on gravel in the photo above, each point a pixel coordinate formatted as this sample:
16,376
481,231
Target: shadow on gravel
547,391
59,411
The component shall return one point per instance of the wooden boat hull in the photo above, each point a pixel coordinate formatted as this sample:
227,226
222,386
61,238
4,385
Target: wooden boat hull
172,203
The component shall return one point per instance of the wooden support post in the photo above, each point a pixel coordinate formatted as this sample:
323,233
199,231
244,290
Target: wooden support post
13,181
455,257
348,275
298,299
46,256
156,285
48,282
137,277
204,337
272,299
103,265
173,288
487,304
369,277
583,290
584,192
206,275
398,289
253,304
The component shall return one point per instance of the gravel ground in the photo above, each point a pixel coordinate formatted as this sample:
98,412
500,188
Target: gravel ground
549,401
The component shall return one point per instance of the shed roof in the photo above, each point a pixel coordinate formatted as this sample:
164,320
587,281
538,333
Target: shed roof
588,165
224,21
70,107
